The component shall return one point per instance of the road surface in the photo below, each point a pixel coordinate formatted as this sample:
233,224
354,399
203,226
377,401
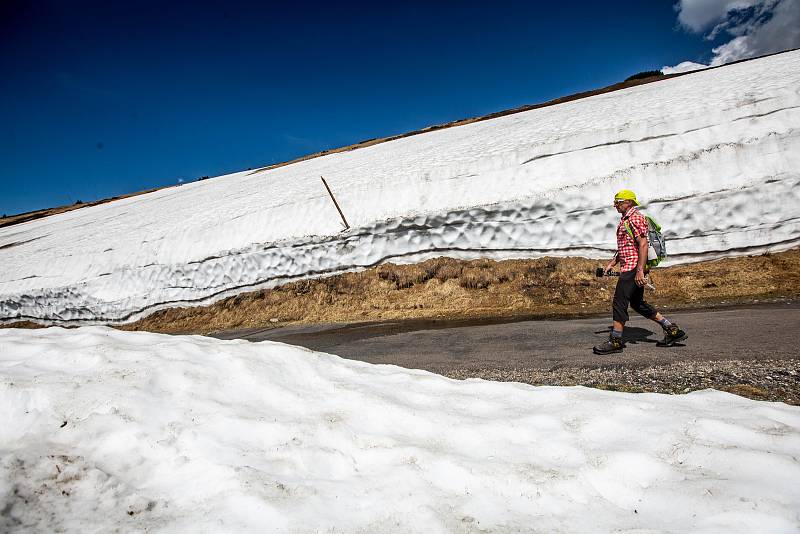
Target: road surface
747,333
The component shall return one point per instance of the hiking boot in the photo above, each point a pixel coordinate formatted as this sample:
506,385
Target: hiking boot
672,334
612,346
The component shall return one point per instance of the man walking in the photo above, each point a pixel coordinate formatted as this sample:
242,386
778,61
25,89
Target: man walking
632,236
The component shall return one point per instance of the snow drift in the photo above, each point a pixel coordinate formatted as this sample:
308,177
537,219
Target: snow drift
714,155
102,430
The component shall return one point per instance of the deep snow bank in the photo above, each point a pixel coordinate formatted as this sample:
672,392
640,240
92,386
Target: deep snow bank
191,434
714,155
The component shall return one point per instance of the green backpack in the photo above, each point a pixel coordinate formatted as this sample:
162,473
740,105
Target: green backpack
657,248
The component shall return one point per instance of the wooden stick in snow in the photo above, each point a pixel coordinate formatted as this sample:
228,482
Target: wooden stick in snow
346,226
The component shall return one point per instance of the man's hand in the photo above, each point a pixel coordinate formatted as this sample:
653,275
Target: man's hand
639,277
610,265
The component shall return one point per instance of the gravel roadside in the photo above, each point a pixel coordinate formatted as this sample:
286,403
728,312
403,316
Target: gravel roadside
771,380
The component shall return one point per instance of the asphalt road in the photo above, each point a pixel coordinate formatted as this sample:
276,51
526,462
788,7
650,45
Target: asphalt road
769,331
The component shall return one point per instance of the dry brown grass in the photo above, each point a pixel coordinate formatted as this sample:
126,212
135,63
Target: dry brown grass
22,324
455,289
748,391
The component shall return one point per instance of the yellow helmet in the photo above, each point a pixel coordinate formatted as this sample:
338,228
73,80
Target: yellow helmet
626,194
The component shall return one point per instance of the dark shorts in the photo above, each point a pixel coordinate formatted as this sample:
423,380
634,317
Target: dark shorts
628,292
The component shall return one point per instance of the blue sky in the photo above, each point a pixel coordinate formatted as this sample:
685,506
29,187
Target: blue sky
104,98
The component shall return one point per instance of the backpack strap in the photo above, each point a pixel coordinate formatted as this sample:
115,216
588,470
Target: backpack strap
630,232
628,229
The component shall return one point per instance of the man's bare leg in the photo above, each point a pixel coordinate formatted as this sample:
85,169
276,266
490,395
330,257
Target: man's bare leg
619,327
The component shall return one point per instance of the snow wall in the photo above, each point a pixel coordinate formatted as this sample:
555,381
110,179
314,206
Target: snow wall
714,156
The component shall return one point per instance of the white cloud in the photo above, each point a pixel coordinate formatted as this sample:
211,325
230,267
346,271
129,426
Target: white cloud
773,29
756,27
699,15
686,66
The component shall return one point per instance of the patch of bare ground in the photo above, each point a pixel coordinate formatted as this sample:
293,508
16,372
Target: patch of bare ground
22,324
457,289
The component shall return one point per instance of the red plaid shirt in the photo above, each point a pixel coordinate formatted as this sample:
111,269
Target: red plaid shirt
627,251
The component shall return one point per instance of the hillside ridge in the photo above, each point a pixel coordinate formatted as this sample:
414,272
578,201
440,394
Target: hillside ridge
9,220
